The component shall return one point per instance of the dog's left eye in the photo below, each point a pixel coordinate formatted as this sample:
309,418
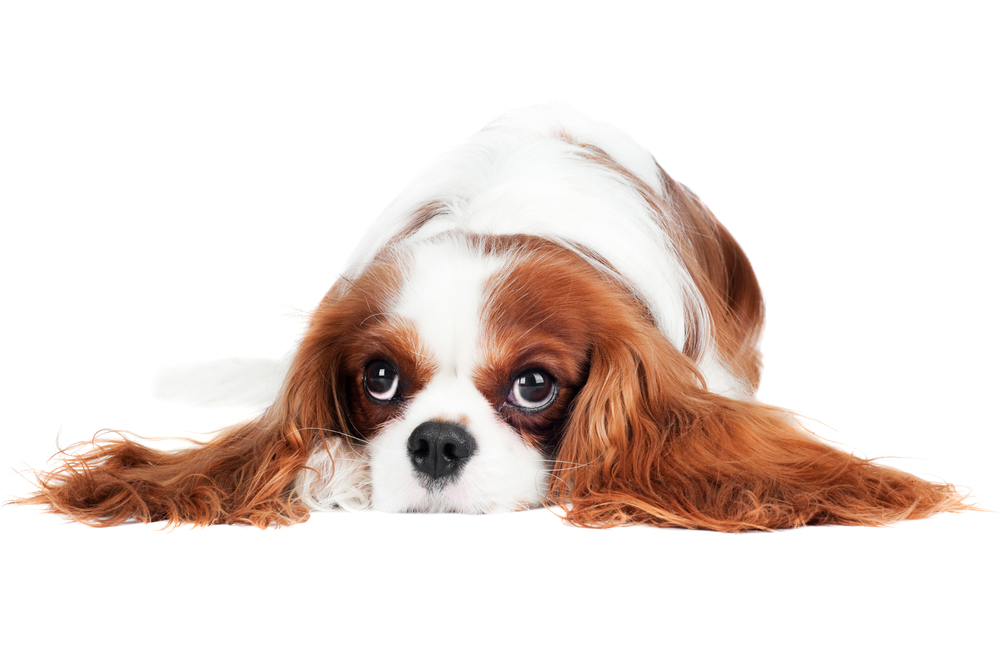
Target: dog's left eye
381,381
533,390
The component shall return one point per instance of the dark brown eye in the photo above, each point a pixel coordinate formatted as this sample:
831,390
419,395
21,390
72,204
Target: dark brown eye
381,381
532,390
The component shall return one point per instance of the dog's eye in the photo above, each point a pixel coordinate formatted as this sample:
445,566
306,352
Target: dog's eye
533,390
381,381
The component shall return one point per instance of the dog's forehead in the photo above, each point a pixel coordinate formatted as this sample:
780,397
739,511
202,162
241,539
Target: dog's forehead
443,294
484,307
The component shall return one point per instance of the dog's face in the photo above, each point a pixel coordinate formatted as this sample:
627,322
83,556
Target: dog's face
461,378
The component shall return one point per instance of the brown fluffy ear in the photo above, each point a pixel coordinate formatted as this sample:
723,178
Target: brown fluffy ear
646,443
243,475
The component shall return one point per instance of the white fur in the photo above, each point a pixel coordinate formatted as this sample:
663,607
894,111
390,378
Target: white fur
336,475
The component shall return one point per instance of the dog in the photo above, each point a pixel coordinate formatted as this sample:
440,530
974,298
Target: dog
544,318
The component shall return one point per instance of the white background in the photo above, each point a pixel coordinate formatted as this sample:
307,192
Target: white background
183,181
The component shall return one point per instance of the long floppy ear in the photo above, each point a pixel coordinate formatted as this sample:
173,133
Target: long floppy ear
646,443
244,475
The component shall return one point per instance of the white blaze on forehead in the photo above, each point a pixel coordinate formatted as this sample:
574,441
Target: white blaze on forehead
443,295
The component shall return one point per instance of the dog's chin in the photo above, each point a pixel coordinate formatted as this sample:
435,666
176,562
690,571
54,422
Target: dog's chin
441,499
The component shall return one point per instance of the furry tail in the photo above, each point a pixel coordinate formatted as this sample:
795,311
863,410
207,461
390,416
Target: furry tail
236,382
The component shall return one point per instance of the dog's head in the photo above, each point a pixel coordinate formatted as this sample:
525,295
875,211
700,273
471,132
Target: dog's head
462,364
544,317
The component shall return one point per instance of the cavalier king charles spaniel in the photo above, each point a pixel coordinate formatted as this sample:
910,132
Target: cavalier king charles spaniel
544,317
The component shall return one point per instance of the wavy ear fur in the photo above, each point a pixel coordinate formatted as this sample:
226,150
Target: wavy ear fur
245,474
241,476
646,443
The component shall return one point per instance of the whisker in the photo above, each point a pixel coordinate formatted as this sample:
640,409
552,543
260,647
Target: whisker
353,438
570,465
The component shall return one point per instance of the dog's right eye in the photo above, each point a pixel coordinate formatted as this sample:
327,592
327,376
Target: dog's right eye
381,381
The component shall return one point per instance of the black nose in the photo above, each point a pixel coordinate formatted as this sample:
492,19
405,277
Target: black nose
440,449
